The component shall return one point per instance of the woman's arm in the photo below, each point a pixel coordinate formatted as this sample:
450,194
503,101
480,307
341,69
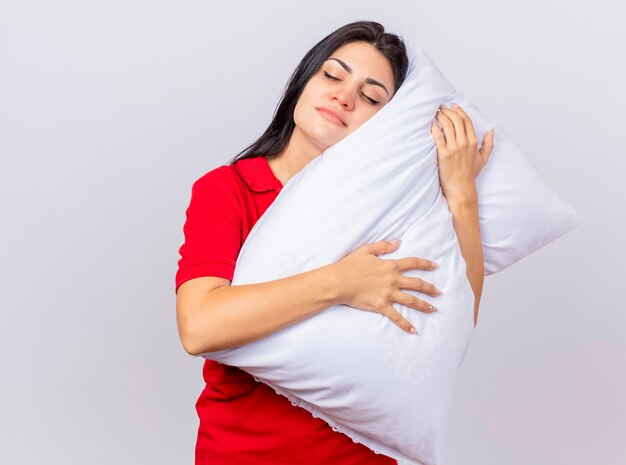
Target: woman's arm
467,227
213,315
460,162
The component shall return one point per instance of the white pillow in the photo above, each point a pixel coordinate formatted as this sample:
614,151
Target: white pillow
358,371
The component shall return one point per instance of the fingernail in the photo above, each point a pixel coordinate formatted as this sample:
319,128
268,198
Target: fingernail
396,241
433,308
435,265
413,330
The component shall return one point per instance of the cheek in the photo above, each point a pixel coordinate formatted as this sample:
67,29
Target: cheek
304,113
305,119
299,112
306,96
303,105
362,118
367,115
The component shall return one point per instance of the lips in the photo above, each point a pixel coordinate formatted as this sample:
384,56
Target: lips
331,116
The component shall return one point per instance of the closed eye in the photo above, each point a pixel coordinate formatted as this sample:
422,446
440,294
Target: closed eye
372,101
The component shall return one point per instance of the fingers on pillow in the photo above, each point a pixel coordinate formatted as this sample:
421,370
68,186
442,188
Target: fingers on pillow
416,263
488,138
448,126
413,302
469,127
453,124
382,247
424,287
488,144
419,285
438,134
395,317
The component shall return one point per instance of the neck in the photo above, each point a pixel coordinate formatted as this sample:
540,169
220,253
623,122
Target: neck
295,156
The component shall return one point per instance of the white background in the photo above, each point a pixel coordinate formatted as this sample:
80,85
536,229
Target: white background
109,110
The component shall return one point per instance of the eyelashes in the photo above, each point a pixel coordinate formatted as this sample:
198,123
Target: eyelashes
372,101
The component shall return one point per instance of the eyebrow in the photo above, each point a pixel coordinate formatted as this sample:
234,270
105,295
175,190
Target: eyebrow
368,80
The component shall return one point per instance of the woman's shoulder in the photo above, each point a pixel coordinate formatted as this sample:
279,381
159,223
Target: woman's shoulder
220,187
222,177
240,177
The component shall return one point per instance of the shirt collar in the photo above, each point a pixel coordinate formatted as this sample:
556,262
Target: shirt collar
258,175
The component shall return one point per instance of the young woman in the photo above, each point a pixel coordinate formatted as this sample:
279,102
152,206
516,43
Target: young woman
340,83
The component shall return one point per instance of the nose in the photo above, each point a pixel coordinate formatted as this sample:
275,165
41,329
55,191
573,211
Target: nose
344,98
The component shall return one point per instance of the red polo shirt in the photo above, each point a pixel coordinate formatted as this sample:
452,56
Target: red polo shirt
243,421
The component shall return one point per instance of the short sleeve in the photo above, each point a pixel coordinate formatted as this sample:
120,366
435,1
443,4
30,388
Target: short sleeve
212,229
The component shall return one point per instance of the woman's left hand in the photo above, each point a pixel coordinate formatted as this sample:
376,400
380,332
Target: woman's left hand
460,161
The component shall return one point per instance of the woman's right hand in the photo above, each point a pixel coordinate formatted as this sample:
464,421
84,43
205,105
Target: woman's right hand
369,283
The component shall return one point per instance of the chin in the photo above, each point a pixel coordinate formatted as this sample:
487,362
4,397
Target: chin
322,139
327,144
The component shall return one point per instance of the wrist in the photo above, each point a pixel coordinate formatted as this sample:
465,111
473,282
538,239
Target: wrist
332,287
462,198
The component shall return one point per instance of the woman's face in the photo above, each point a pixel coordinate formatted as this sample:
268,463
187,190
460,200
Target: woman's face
354,82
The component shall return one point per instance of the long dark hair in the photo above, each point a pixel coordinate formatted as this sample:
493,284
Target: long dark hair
276,136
